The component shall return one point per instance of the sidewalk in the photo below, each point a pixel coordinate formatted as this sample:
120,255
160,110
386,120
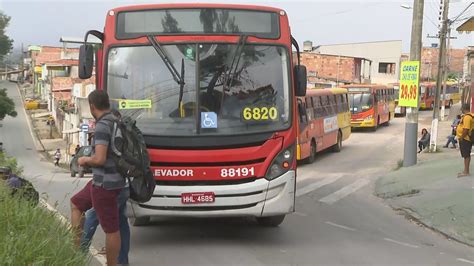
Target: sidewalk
431,193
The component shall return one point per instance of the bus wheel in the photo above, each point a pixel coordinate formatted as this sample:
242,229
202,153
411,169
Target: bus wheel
374,128
386,124
338,146
271,221
140,221
312,153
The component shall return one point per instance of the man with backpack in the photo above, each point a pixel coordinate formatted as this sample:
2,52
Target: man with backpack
103,190
464,133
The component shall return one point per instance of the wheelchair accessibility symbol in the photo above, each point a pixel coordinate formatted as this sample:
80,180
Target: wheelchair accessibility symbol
208,120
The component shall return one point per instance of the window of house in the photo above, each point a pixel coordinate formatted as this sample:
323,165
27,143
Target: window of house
387,68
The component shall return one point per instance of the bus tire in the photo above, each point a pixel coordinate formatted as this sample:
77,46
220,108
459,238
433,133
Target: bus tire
386,124
312,153
374,128
140,221
271,221
338,146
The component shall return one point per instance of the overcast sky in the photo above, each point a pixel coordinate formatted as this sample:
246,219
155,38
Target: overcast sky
321,21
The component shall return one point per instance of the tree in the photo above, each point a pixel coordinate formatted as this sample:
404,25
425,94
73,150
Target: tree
7,106
6,44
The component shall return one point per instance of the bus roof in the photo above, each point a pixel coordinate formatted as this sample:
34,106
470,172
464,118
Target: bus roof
372,86
195,5
337,90
319,92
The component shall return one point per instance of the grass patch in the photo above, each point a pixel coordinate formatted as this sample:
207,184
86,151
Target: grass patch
30,234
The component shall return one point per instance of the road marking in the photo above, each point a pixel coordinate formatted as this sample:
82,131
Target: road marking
340,226
312,187
464,260
94,252
345,191
401,243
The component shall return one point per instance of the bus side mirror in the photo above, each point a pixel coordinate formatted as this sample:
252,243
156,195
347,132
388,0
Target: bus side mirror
301,81
86,61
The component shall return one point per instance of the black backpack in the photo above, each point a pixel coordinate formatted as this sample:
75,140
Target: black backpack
131,158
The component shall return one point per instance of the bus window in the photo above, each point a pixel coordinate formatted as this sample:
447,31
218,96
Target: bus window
302,112
332,104
319,110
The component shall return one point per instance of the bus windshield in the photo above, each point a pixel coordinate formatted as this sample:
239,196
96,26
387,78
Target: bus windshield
223,94
360,102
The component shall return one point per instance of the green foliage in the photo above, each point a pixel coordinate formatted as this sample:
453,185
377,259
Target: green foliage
10,162
7,106
31,235
6,44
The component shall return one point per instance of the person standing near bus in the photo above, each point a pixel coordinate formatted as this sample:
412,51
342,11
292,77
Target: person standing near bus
102,192
463,132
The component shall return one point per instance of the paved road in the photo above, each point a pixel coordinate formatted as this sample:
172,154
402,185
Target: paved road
338,220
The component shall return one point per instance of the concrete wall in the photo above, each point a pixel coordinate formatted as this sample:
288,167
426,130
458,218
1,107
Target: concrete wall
378,52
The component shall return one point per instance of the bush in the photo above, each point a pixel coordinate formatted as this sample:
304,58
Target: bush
32,235
10,162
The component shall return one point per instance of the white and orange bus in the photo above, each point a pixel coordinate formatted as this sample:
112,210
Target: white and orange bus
371,105
324,122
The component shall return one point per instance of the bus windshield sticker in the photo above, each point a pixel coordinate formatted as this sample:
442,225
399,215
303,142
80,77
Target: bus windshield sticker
260,113
208,120
330,124
134,104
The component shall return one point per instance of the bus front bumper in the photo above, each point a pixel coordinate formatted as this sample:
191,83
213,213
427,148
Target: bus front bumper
363,123
258,198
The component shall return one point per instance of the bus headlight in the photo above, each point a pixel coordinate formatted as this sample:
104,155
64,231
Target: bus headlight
368,118
281,163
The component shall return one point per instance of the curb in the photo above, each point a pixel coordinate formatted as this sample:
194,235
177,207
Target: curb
92,250
412,216
37,142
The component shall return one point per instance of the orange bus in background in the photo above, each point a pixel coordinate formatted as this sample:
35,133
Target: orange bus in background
428,93
370,105
324,122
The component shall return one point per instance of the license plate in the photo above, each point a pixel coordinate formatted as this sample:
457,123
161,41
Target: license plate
198,198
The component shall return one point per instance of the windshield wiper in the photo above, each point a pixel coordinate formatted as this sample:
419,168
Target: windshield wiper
179,78
235,60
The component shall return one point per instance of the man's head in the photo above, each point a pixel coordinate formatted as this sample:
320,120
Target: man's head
466,108
458,116
98,103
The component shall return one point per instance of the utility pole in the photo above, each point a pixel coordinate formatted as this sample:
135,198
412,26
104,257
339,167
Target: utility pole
411,123
445,73
439,78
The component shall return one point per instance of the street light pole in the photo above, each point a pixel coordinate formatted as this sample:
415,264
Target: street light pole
439,77
411,123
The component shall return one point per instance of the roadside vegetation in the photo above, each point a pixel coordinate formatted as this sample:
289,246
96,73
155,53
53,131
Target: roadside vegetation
32,235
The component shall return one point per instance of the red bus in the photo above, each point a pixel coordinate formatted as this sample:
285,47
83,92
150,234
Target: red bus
213,89
325,121
371,105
